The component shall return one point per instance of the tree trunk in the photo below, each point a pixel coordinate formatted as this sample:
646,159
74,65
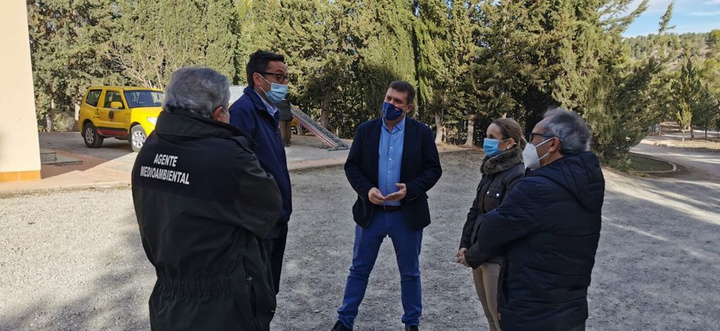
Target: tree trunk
48,123
683,134
48,117
440,129
692,133
325,110
470,131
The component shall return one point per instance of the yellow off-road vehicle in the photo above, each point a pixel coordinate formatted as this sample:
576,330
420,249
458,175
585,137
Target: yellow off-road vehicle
126,113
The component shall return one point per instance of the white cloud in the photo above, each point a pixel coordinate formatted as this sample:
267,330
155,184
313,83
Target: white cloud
654,6
660,6
695,27
705,13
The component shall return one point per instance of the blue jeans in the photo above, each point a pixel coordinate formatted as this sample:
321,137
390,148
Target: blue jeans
407,251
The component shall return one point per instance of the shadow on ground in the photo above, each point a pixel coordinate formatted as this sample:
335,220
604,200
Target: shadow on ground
115,298
656,266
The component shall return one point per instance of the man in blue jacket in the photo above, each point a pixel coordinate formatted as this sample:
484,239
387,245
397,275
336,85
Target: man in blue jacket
548,229
257,114
392,163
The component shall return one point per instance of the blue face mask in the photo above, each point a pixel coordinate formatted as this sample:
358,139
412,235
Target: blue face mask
277,92
390,112
490,146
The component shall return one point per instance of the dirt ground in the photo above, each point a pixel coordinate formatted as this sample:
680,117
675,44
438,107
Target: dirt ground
672,137
73,260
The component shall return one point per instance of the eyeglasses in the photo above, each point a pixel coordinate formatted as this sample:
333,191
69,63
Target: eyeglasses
532,135
278,76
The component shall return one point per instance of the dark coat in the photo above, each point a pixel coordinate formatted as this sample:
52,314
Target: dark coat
548,228
420,170
500,174
203,205
250,115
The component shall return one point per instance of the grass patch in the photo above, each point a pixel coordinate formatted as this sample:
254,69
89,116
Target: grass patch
641,164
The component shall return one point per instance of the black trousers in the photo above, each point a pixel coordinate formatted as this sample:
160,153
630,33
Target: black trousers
274,244
580,327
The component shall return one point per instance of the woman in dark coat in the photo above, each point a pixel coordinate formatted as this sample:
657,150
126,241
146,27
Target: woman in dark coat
501,168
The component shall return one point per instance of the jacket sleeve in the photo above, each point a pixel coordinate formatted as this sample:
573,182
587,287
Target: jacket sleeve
475,257
468,227
353,166
513,219
470,222
431,167
259,200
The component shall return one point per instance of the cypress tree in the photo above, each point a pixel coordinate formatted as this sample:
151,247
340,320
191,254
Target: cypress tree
67,44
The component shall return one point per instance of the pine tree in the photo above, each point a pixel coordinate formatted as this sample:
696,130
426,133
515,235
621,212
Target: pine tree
710,75
537,54
707,109
342,54
157,38
688,92
619,109
446,52
388,53
219,38
430,32
67,42
316,39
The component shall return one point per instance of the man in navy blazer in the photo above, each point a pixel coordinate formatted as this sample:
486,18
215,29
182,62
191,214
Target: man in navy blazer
392,163
257,114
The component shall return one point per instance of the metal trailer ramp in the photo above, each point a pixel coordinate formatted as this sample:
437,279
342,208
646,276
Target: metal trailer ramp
320,132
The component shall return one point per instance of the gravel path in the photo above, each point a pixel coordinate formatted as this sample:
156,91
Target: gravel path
73,260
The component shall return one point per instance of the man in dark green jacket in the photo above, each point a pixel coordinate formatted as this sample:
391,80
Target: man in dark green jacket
203,204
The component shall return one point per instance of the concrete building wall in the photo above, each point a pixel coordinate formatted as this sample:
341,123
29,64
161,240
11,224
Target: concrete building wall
19,145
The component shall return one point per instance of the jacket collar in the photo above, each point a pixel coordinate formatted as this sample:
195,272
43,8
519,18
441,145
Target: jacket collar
184,124
501,162
400,125
258,103
255,98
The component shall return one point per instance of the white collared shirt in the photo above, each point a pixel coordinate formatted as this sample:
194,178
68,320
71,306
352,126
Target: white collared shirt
270,108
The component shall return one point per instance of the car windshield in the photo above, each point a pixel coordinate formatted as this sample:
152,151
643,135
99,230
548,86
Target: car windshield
144,98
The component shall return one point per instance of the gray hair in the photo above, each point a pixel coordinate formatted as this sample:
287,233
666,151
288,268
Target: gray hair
570,127
198,90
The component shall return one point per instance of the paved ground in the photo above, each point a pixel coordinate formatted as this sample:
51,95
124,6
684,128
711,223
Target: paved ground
302,149
697,163
111,164
73,260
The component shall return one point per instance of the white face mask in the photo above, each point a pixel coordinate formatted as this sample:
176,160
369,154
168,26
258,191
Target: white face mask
530,156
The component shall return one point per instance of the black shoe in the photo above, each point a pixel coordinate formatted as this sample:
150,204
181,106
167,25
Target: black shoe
412,328
340,327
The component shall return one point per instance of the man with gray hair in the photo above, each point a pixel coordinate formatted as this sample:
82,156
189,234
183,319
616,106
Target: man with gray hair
203,204
548,228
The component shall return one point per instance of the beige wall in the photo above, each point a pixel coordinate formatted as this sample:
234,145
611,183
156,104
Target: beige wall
19,146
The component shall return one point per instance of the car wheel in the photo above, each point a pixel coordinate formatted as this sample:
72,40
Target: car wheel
91,137
137,138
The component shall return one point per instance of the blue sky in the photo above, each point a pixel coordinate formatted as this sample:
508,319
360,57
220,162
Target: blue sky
688,16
